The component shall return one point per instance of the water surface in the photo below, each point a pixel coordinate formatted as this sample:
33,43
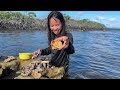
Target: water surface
97,53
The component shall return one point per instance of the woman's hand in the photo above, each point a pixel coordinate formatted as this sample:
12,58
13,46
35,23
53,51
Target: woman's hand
36,54
65,40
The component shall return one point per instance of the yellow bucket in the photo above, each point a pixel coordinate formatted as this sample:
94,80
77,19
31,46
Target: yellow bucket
25,56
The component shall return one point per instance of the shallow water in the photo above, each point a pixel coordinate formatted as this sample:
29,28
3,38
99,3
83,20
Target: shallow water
97,53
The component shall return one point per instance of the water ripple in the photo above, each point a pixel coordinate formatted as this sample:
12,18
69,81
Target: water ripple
97,53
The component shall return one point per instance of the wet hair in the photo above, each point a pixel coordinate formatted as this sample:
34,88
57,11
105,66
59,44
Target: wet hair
58,15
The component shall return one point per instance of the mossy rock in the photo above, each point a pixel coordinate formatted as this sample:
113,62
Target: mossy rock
12,70
13,65
24,77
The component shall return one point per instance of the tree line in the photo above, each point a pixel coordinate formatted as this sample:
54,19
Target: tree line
10,20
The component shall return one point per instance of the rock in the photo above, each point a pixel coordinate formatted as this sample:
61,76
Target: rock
13,65
13,70
35,74
0,65
24,63
55,73
7,68
10,58
1,71
24,77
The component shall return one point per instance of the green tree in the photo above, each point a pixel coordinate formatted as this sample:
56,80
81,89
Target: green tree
67,17
31,14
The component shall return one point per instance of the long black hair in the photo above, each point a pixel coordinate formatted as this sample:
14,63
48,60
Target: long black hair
59,16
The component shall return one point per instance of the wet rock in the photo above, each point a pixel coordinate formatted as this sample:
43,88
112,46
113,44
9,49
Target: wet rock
35,74
24,77
9,58
55,73
1,71
37,70
13,65
24,63
7,68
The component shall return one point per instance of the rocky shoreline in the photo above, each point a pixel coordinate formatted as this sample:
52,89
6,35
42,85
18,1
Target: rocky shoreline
12,70
18,21
34,26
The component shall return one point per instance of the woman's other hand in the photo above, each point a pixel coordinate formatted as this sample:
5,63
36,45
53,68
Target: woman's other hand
36,54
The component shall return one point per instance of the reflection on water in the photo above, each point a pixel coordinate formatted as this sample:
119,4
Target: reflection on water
97,53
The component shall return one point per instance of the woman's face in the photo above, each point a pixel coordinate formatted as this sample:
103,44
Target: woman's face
55,25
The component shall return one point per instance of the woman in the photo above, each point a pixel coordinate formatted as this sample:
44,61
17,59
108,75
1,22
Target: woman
57,31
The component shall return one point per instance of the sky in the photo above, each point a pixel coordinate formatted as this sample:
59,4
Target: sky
108,18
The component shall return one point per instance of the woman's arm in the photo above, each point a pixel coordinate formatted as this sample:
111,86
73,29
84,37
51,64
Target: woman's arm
46,51
70,49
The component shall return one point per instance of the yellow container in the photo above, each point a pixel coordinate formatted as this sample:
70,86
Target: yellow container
25,56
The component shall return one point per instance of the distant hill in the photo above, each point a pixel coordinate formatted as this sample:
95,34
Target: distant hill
15,20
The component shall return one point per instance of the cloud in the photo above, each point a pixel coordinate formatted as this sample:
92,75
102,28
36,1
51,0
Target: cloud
78,14
100,18
114,20
95,20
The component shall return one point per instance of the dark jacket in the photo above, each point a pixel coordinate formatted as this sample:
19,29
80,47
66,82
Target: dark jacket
60,57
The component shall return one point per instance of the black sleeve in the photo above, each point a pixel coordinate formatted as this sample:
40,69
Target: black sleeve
46,51
59,58
70,49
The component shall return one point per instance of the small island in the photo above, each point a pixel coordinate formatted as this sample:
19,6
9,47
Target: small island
17,21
